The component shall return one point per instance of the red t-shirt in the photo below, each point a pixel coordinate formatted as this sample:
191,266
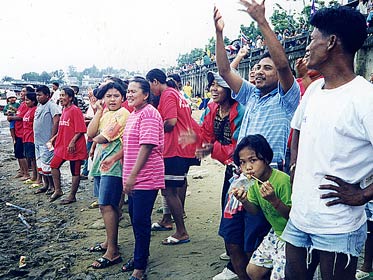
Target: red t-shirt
28,123
18,127
171,105
71,122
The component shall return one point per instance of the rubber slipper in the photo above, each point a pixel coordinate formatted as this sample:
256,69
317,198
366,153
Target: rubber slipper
54,197
97,248
128,266
35,185
29,181
360,275
49,191
159,227
104,262
174,241
67,201
42,190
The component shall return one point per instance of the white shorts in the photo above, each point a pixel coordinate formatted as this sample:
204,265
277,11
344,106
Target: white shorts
43,159
271,254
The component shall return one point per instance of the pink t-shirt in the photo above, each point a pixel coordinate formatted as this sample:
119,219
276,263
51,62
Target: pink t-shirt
28,123
71,122
144,127
171,105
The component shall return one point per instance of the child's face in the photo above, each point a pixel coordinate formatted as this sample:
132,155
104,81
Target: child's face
250,164
113,99
12,100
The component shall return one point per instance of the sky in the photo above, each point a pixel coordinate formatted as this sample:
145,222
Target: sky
42,35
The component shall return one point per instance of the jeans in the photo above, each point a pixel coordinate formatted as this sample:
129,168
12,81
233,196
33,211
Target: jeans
140,206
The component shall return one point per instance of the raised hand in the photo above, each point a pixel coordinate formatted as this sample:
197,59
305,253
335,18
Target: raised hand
218,19
254,9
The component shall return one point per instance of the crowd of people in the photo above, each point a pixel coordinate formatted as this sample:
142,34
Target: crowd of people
305,167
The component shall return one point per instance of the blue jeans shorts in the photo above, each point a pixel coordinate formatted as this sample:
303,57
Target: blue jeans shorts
351,243
108,189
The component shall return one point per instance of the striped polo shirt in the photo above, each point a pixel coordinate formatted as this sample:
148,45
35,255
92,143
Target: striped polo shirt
269,115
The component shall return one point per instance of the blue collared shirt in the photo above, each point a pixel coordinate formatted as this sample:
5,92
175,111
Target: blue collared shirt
269,115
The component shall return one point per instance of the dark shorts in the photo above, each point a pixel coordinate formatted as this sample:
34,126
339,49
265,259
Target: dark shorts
176,170
74,165
108,189
244,229
29,149
18,148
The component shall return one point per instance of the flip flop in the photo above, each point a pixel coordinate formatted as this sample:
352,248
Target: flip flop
42,190
93,205
35,185
104,262
29,181
97,248
49,191
67,201
360,275
128,266
54,197
159,227
174,241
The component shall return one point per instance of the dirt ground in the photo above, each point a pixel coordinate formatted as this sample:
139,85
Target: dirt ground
56,245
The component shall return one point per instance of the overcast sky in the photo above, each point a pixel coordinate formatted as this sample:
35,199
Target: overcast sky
40,35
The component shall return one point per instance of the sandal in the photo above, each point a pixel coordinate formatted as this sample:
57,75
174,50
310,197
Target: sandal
42,190
128,266
97,248
104,262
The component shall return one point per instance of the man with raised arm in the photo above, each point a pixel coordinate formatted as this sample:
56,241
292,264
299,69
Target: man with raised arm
270,105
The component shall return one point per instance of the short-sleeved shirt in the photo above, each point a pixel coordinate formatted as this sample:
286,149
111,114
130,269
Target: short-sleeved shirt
22,109
144,126
269,115
172,105
280,182
71,123
111,127
43,122
28,125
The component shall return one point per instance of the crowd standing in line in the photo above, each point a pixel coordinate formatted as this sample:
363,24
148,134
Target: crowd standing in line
282,227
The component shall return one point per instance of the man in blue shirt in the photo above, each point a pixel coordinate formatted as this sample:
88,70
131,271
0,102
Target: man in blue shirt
270,106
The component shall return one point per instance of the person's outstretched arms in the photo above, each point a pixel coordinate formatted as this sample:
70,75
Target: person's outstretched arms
277,52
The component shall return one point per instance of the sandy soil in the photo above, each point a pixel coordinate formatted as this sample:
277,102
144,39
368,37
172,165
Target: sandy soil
56,245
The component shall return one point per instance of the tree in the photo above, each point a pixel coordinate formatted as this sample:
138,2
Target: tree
31,77
7,79
44,77
250,31
57,76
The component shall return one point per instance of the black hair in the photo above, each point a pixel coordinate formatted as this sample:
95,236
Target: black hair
70,92
347,24
265,55
32,97
75,89
256,143
30,88
101,91
44,89
56,84
144,85
156,74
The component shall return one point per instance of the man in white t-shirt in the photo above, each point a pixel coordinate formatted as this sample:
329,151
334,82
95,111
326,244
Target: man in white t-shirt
55,97
334,164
